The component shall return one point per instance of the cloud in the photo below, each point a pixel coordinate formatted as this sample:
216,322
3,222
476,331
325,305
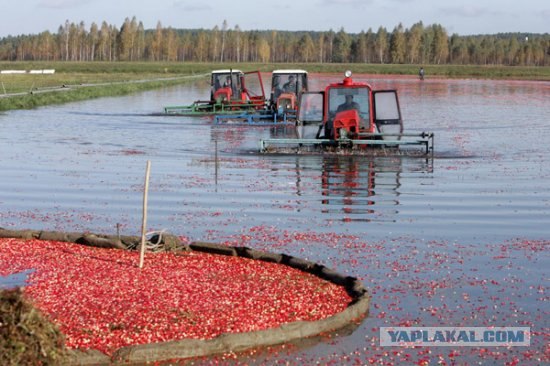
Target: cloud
191,5
358,3
468,11
62,4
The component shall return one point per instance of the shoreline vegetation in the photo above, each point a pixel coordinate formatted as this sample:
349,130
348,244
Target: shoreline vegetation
429,44
76,81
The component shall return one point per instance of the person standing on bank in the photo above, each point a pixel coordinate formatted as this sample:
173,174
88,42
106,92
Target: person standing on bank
421,73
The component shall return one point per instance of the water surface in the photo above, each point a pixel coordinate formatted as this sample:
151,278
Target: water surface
422,234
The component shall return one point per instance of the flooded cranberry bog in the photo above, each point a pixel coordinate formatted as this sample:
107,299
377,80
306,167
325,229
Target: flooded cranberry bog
460,240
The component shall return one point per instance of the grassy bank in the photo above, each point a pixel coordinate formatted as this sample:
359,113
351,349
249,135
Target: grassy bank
76,92
440,71
74,72
74,81
86,80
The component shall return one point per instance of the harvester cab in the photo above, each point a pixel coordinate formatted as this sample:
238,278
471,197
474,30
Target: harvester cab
232,91
287,87
234,86
349,110
226,85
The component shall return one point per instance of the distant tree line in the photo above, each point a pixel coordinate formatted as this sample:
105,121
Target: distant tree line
418,44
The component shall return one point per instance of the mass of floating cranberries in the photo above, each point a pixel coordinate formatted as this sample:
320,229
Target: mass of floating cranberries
102,300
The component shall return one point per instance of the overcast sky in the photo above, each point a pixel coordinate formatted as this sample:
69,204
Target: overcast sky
464,17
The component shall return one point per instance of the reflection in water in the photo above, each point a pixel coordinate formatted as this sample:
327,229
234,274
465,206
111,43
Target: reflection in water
353,188
327,185
344,184
349,186
15,280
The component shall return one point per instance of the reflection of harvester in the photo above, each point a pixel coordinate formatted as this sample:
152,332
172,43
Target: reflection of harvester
349,115
232,91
